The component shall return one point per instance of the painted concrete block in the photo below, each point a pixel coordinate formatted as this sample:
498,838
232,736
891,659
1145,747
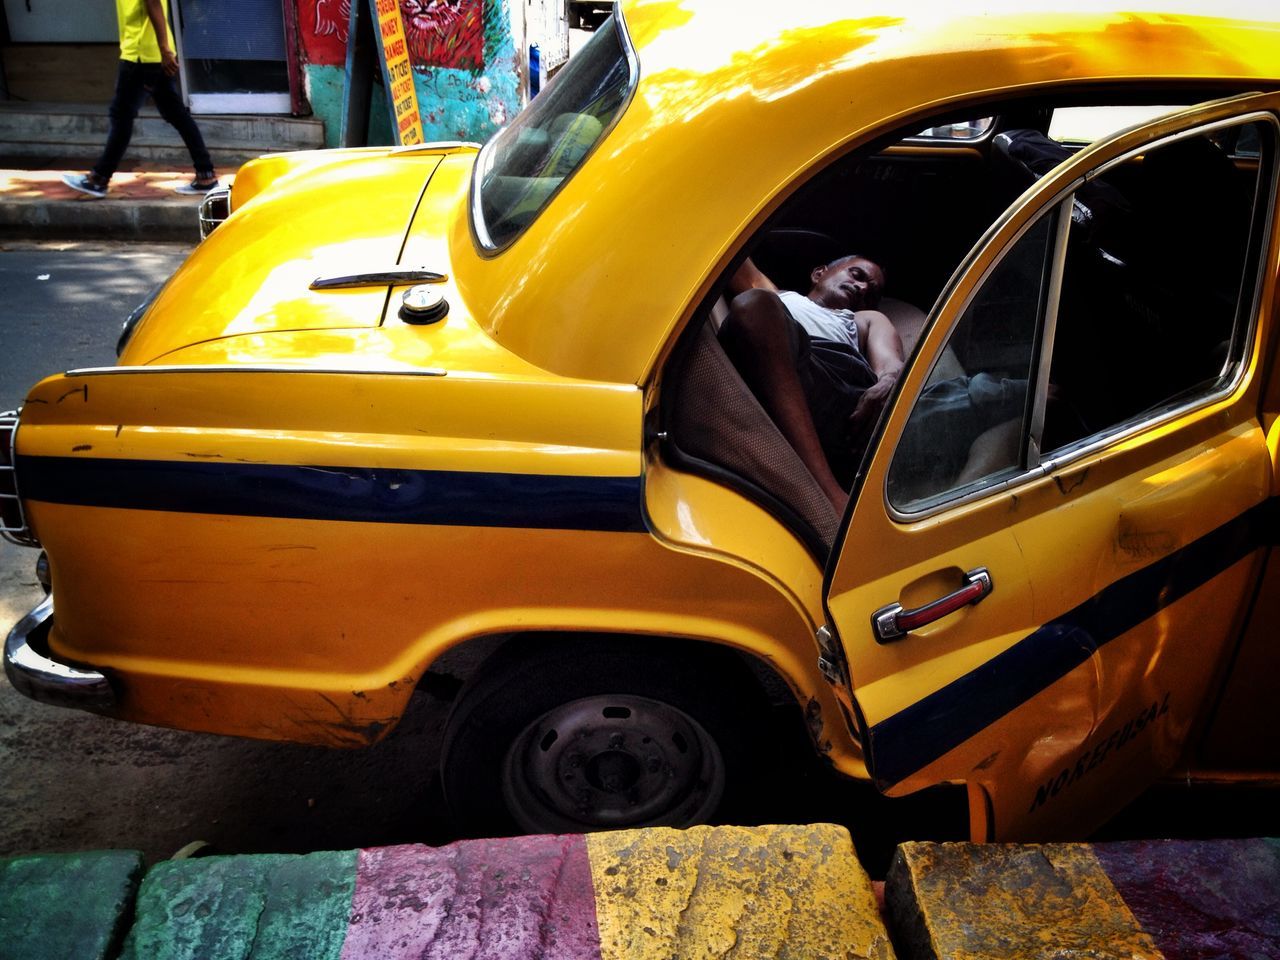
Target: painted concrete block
760,892
1134,900
66,904
244,908
514,898
776,891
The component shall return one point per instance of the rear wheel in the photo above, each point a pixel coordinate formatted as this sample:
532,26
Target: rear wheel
581,734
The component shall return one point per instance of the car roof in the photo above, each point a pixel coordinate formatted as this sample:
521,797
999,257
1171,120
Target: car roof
732,110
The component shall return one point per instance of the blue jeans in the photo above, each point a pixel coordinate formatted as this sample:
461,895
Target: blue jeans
134,81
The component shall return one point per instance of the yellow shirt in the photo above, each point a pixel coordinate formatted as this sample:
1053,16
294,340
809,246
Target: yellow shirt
137,36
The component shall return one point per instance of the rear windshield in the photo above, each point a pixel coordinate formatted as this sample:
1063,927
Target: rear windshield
523,166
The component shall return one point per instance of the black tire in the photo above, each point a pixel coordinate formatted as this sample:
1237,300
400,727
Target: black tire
572,735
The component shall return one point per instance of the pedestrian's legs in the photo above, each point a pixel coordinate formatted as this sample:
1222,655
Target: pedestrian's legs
124,107
176,114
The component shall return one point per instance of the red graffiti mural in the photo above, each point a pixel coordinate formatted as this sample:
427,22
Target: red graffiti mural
445,33
441,33
323,25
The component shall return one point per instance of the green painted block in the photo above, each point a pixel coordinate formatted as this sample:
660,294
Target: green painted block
66,904
280,906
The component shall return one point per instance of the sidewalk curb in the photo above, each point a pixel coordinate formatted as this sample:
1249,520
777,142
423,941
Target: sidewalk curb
768,893
761,892
773,891
123,219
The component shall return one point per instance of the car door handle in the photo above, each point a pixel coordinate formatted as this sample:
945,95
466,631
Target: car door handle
892,622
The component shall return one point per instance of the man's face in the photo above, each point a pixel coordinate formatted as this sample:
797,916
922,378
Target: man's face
852,283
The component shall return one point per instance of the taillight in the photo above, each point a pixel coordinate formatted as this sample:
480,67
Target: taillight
13,524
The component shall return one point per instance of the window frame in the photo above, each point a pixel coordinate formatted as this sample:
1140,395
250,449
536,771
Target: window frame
1034,464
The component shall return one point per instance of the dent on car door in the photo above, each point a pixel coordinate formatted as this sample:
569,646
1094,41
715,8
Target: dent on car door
1050,556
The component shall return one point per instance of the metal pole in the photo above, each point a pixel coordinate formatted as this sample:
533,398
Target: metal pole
359,78
293,62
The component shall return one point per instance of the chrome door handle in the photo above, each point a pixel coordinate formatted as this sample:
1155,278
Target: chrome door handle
892,622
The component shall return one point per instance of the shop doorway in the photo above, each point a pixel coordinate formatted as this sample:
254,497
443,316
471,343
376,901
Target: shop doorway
232,55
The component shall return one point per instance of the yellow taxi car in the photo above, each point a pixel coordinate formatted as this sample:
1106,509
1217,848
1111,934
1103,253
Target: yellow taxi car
405,402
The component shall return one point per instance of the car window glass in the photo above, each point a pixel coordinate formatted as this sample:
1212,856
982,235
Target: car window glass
1158,280
1156,285
523,166
965,428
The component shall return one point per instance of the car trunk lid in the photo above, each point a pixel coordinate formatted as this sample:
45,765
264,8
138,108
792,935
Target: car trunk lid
254,274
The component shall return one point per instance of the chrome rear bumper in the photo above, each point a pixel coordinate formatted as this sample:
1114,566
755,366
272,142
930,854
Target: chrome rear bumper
34,672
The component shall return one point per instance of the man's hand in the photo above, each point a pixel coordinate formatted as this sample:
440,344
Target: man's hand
168,59
870,406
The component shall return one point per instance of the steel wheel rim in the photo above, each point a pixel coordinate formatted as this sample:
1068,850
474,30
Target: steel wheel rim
609,762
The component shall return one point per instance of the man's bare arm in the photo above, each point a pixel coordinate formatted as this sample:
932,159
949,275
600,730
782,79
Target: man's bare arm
882,347
168,59
749,277
880,342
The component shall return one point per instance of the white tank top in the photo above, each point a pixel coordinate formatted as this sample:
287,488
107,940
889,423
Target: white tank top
821,322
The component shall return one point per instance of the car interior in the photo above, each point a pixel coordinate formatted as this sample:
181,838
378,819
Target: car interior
1158,279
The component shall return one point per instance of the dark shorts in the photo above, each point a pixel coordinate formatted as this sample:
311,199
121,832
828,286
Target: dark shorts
834,377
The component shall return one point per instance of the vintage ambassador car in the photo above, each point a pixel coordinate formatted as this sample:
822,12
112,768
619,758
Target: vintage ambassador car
406,402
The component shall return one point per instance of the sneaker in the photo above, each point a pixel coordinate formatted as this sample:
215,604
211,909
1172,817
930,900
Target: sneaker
88,183
199,186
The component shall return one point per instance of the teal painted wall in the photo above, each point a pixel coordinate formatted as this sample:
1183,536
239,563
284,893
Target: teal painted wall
325,91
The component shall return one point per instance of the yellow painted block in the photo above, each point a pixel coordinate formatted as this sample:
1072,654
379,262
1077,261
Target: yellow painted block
962,901
760,892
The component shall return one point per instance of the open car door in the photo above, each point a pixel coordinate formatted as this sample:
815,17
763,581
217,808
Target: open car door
1050,557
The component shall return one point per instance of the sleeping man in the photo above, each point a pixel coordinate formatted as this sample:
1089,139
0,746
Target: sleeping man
824,363
821,363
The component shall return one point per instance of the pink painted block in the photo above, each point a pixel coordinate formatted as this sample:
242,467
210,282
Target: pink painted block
509,899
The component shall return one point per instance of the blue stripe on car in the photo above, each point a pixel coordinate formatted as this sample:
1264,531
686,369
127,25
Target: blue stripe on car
911,739
360,494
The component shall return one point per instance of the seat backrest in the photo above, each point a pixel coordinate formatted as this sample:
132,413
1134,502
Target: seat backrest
908,320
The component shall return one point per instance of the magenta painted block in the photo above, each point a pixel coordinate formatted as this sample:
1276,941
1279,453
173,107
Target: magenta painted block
1201,898
512,899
